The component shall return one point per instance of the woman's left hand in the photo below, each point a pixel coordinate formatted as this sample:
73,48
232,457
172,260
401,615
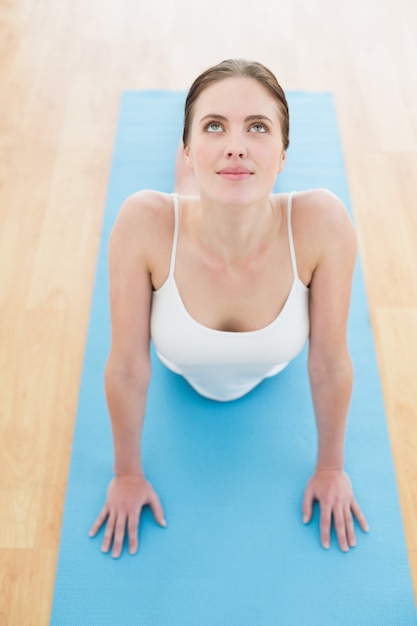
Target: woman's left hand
332,489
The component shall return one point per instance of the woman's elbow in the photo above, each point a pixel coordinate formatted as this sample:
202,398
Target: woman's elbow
137,371
334,365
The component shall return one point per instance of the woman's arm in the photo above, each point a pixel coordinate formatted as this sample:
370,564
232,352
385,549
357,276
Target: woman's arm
127,376
330,371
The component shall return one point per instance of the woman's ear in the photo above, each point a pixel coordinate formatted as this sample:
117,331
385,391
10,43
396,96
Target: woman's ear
282,161
187,157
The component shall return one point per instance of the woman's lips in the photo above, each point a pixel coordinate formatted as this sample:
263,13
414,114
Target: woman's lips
235,173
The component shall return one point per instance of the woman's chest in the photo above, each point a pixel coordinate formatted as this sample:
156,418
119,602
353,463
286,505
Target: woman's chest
242,298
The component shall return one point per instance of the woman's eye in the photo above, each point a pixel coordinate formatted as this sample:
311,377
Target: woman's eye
214,127
258,128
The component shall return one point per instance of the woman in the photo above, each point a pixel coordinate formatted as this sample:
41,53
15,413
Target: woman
230,280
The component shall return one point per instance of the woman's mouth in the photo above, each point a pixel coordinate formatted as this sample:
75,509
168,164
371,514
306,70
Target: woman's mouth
235,173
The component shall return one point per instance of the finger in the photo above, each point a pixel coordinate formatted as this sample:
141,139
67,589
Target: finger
157,510
307,508
99,522
325,525
119,535
350,528
360,516
108,534
340,527
132,530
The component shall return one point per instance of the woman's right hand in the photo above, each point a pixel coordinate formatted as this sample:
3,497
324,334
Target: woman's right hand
126,497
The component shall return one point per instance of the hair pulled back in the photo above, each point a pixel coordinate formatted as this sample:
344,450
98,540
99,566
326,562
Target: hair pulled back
237,68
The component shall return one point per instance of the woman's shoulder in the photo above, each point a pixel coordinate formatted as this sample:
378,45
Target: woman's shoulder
322,228
144,211
324,205
319,211
145,204
144,224
318,200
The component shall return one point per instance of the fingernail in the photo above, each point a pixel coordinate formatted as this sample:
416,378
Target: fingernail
305,519
163,522
326,545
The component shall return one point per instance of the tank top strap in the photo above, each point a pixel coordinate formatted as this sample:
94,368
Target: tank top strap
175,237
290,235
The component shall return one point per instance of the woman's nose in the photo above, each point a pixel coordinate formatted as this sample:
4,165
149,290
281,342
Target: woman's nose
236,153
235,146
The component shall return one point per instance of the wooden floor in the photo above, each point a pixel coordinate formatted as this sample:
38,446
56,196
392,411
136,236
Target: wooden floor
63,65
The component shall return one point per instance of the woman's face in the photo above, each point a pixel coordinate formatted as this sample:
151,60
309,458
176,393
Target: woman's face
235,146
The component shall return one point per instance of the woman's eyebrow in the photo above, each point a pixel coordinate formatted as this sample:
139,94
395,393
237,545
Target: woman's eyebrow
214,116
222,118
252,118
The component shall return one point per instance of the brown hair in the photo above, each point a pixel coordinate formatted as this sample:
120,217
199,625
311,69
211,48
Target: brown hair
238,68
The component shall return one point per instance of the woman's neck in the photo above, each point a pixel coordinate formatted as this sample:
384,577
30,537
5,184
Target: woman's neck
235,232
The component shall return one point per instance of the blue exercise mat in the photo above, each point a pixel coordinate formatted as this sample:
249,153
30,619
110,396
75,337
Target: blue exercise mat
231,476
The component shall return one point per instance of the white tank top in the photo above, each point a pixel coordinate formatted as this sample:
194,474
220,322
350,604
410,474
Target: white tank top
225,365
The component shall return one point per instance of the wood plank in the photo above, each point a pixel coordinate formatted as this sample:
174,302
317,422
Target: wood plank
26,586
396,340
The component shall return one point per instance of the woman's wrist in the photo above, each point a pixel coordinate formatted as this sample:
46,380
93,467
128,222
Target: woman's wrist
323,467
128,469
